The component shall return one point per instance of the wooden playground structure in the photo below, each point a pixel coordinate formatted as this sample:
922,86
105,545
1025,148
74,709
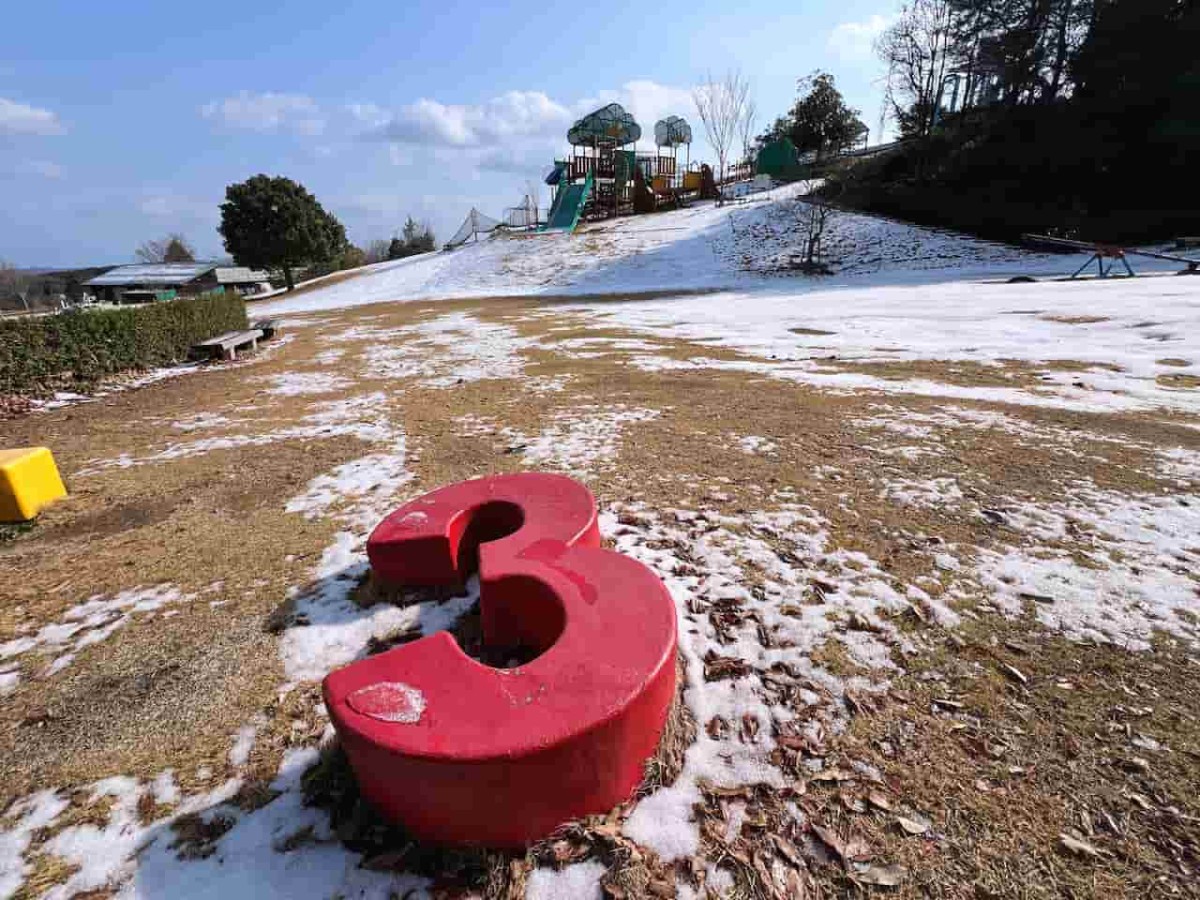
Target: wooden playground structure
605,175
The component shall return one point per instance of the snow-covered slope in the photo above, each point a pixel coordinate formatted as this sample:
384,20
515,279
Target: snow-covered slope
703,247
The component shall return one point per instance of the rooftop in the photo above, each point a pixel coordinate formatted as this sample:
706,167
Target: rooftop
240,275
176,273
152,273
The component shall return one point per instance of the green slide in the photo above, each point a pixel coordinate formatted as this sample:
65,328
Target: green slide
569,206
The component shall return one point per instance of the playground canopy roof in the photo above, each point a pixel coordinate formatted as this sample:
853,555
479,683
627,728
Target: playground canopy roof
609,125
672,132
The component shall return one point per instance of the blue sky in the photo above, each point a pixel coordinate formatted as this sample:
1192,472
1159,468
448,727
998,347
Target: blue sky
123,121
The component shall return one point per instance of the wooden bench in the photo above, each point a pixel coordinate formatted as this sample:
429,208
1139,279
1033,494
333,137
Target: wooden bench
225,346
269,327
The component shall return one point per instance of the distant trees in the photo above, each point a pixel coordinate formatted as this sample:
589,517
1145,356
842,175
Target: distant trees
722,106
917,52
273,222
174,248
377,250
1003,52
17,283
415,238
820,121
1079,118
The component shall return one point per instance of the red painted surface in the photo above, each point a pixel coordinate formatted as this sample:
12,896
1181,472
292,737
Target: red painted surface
462,753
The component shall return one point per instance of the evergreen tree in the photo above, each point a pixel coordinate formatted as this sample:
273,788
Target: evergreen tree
820,121
275,223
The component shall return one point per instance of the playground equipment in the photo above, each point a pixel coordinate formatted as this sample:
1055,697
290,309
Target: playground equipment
524,215
670,133
462,753
779,159
475,224
29,481
598,142
569,203
1098,253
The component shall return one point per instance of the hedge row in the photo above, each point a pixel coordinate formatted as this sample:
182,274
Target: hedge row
78,347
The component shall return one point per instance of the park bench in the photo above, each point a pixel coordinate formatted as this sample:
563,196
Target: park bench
225,346
269,328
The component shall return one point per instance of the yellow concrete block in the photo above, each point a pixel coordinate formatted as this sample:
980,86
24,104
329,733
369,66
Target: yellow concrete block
28,481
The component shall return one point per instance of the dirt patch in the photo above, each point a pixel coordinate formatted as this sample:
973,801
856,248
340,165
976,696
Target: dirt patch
1077,320
1180,381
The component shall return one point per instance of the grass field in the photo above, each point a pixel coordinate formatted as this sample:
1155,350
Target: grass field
934,549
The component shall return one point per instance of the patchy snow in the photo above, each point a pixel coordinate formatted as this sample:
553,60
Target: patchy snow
930,493
142,861
32,813
355,417
901,293
354,481
579,441
578,882
90,622
583,438
805,593
243,743
979,323
442,351
755,445
1134,569
331,630
294,384
203,422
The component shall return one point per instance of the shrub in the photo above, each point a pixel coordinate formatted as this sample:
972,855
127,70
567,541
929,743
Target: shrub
78,347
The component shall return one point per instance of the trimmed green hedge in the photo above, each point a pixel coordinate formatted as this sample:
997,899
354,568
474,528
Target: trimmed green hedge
81,346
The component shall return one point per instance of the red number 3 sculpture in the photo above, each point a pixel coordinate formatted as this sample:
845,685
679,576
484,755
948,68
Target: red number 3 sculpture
462,753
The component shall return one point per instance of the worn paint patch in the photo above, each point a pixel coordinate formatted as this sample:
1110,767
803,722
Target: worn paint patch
389,701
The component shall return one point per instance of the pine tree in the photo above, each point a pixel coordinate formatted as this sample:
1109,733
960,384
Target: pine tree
275,223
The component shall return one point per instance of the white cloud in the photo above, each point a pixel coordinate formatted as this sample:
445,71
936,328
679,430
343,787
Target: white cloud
516,133
515,114
267,112
855,41
20,118
649,101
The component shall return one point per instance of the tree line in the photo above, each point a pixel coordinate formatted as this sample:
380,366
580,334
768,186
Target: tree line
1072,117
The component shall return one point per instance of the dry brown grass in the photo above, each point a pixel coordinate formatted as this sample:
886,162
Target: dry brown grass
169,692
1021,739
46,872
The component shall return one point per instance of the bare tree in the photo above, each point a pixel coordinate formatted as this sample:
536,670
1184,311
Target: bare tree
815,215
17,283
173,248
722,108
376,251
746,127
917,51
